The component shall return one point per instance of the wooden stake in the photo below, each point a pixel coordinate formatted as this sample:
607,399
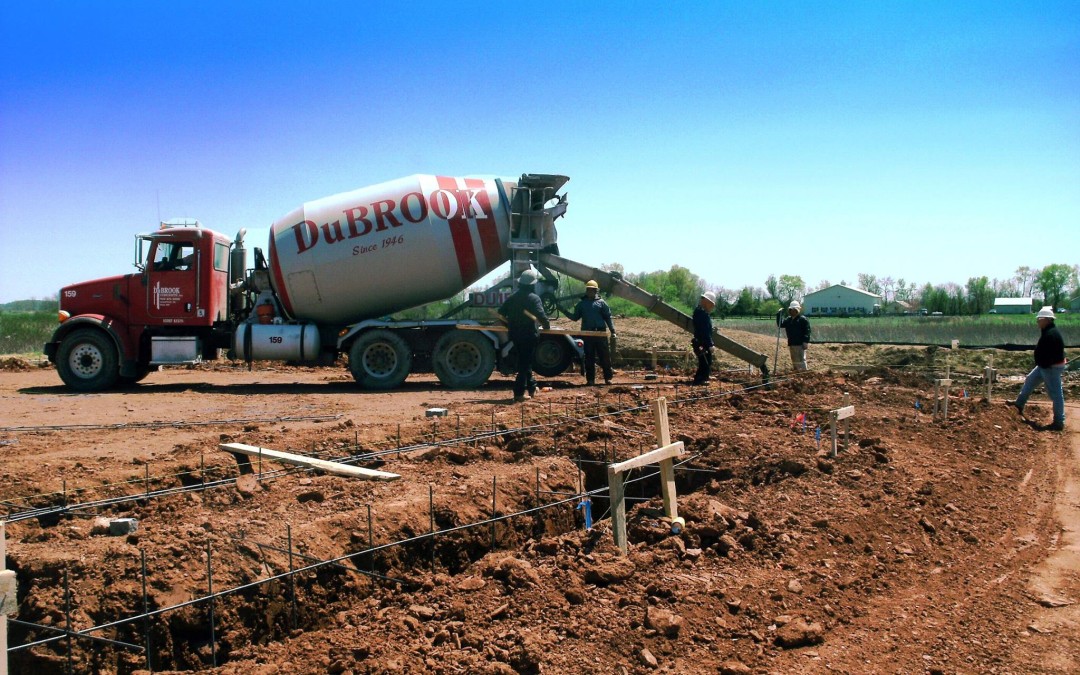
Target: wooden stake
667,466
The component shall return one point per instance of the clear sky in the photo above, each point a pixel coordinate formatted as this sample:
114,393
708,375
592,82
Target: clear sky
933,141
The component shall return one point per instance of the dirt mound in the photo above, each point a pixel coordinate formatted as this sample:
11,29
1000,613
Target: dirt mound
16,364
907,550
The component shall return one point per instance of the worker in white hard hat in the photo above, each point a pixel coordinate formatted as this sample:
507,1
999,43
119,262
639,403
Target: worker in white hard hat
595,315
797,327
703,342
1050,365
522,311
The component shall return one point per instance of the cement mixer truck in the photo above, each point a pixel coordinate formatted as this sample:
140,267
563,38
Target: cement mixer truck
334,271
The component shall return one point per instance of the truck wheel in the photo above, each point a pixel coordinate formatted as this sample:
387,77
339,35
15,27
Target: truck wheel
380,359
552,356
140,375
87,361
463,359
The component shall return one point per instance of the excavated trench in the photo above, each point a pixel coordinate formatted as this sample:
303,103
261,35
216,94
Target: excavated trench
187,638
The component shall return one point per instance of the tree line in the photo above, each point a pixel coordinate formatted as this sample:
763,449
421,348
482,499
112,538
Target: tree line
1056,285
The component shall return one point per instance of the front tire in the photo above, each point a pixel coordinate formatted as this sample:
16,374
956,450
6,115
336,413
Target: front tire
463,359
380,359
87,361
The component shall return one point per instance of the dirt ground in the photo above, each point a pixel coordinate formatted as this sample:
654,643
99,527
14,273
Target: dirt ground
922,546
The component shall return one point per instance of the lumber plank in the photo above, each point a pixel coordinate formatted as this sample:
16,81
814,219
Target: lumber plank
652,457
336,468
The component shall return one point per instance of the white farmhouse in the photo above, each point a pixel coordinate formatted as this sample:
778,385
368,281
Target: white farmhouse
1012,306
839,299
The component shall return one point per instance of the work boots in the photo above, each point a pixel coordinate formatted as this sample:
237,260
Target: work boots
1016,404
1054,426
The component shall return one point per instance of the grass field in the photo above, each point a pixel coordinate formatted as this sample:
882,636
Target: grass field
971,331
25,332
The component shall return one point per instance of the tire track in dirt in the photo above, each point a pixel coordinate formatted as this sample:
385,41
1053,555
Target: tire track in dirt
1051,643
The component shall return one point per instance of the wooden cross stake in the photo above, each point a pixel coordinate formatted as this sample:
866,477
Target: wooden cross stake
664,455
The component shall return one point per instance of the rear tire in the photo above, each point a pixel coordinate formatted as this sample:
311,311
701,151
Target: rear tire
552,357
463,359
87,360
380,359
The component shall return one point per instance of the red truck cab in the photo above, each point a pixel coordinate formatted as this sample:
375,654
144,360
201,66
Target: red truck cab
116,329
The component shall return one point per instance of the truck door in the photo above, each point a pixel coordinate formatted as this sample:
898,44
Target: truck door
173,288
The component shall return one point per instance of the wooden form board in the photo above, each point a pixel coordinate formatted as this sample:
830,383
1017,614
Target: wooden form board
651,457
544,331
336,468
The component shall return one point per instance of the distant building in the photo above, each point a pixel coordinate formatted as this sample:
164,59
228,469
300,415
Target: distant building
1012,306
1074,305
837,300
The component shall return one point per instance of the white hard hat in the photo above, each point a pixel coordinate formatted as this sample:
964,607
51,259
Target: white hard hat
527,278
1046,313
710,296
795,305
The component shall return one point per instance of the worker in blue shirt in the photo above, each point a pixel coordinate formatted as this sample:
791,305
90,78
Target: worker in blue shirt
595,315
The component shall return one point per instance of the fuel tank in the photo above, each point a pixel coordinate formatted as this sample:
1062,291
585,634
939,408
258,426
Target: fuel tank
388,247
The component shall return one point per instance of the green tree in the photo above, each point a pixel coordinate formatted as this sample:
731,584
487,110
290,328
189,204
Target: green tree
789,288
772,286
980,296
1055,282
745,303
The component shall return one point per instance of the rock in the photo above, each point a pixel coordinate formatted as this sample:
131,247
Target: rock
664,622
825,466
99,526
734,668
792,467
247,485
574,594
316,496
799,633
123,526
647,658
727,544
794,586
422,612
515,572
927,525
471,584
610,571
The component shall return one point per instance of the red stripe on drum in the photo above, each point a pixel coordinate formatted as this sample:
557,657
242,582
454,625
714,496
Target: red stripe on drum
486,225
459,231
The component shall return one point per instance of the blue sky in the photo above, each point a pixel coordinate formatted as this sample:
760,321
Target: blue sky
924,140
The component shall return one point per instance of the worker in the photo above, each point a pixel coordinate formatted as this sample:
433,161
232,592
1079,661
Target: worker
522,311
797,327
1049,367
595,315
702,342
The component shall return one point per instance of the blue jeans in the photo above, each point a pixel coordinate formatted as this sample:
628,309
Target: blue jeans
1051,377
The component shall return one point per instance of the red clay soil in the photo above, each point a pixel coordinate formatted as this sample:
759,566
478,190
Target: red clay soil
923,546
